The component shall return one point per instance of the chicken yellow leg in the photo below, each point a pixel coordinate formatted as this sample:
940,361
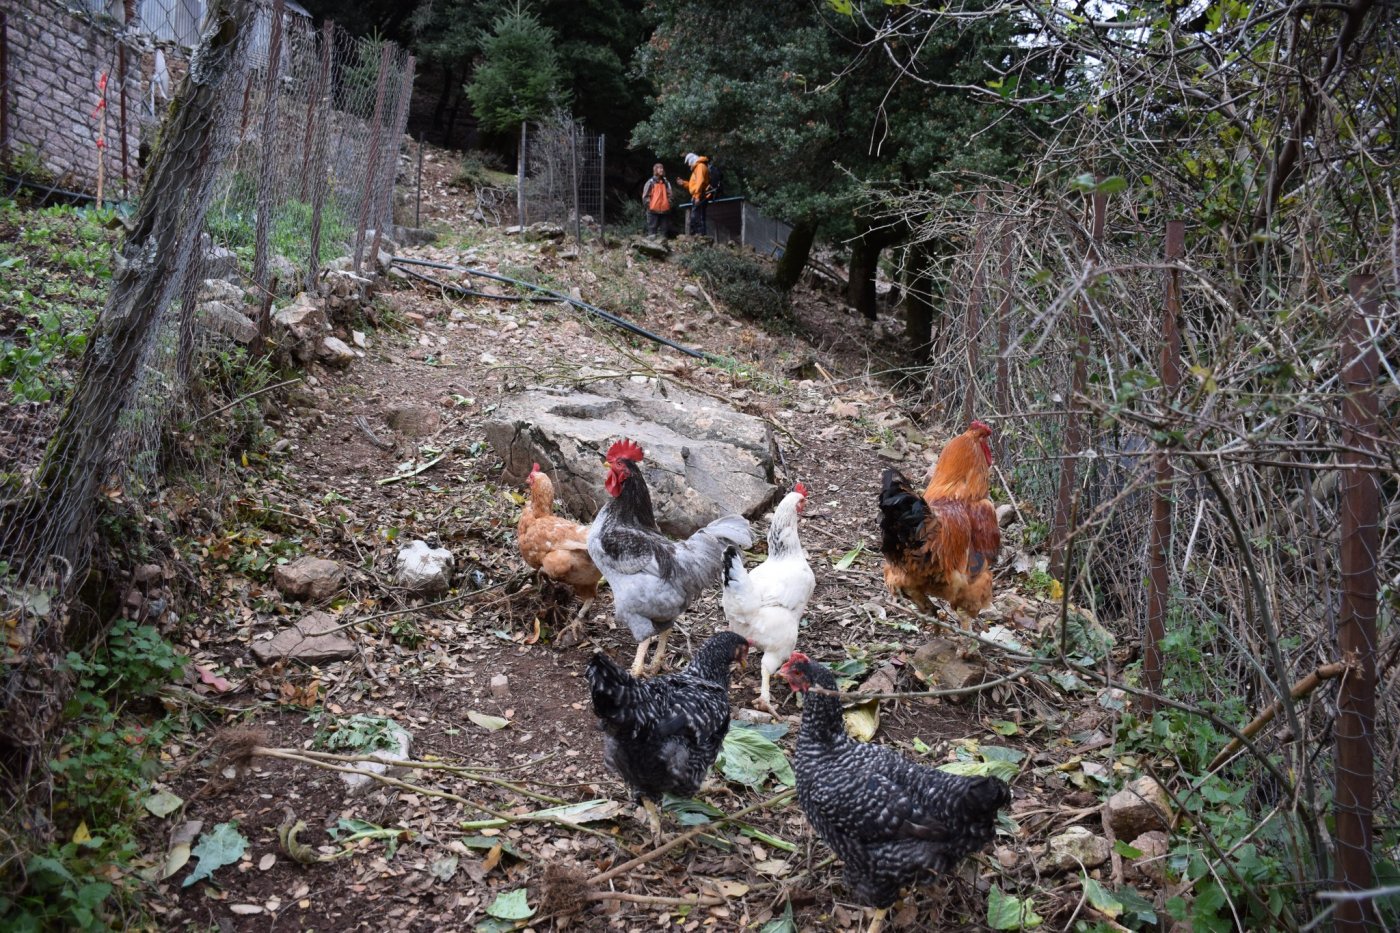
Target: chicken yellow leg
638,661
878,923
658,659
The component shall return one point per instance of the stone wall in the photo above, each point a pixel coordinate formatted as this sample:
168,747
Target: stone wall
54,62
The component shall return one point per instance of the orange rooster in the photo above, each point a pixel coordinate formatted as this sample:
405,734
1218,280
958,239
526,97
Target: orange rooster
945,542
556,546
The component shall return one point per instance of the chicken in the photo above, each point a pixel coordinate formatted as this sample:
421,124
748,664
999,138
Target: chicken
944,543
663,734
766,604
890,821
653,578
555,546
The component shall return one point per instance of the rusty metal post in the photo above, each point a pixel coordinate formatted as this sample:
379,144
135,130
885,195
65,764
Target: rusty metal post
974,307
1356,629
1159,533
320,180
372,164
1074,422
1004,334
391,158
267,159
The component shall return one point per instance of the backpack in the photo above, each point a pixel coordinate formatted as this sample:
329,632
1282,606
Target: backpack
659,198
716,188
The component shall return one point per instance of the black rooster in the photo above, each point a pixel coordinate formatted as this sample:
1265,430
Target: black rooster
891,821
663,734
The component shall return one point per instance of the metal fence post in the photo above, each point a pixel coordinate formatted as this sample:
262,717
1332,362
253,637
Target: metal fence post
1160,530
974,308
1356,628
321,179
267,159
376,132
520,176
391,157
1074,427
573,173
602,180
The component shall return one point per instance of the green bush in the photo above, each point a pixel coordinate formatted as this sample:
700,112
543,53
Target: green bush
742,283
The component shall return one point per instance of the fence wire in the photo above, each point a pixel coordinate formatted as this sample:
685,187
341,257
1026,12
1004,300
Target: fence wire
563,178
1261,455
284,134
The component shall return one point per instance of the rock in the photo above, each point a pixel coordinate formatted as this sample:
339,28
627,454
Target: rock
225,319
414,236
703,458
304,322
147,573
424,570
692,290
284,271
568,254
1074,847
308,579
413,420
221,263
1141,807
312,640
500,685
513,230
357,337
1006,515
940,665
544,231
1152,865
656,249
359,783
221,290
335,352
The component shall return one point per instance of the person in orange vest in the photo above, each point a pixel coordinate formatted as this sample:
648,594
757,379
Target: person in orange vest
700,194
656,195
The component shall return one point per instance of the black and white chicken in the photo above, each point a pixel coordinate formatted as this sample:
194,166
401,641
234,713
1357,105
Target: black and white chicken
663,734
891,821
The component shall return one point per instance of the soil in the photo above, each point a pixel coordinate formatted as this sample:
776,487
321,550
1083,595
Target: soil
319,487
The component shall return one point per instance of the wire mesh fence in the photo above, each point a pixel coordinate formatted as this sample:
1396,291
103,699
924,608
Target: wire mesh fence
279,155
1246,461
561,177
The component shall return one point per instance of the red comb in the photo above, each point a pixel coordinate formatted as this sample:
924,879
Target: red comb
534,468
800,490
980,424
798,658
625,450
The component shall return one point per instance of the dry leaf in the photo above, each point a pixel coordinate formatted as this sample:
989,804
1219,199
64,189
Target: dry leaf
493,858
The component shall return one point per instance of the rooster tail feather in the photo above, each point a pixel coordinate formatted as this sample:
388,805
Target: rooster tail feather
734,572
609,685
902,513
731,529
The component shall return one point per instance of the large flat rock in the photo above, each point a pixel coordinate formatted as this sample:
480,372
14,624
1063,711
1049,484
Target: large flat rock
313,640
703,458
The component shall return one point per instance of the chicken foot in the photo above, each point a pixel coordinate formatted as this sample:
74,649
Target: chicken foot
878,922
572,633
658,660
653,819
638,663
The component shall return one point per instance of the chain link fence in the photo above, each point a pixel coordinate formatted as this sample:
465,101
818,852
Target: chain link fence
278,154
560,178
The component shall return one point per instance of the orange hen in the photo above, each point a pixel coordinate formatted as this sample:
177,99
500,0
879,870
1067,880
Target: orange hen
943,544
554,545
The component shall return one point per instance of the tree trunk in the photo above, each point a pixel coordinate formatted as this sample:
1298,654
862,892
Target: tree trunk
795,253
918,301
449,78
860,286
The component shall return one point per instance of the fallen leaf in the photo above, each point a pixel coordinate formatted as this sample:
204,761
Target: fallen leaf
81,834
863,720
773,866
486,721
267,861
732,888
511,906
207,676
162,803
222,845
245,909
444,868
493,858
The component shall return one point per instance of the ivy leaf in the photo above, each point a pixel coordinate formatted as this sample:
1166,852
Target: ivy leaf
1101,899
511,906
1008,912
222,845
783,924
1006,770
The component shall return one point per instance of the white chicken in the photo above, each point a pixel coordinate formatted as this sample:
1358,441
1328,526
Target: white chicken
766,604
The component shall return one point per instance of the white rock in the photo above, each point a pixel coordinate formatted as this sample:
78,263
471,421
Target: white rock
335,352
359,783
424,570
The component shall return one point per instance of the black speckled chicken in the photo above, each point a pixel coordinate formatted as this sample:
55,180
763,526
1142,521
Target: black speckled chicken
663,734
891,821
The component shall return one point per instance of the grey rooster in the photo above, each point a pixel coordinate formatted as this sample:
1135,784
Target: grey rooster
890,821
663,734
653,579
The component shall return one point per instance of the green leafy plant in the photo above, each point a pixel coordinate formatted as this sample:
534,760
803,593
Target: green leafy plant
741,283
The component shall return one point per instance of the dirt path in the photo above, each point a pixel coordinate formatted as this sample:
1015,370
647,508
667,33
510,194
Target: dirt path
320,491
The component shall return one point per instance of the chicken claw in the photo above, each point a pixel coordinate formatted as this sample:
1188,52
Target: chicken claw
658,660
653,820
879,921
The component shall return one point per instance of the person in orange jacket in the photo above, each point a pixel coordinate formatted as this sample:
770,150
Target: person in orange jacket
700,194
656,196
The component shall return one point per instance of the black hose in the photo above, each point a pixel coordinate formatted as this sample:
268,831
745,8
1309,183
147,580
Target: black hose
592,309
